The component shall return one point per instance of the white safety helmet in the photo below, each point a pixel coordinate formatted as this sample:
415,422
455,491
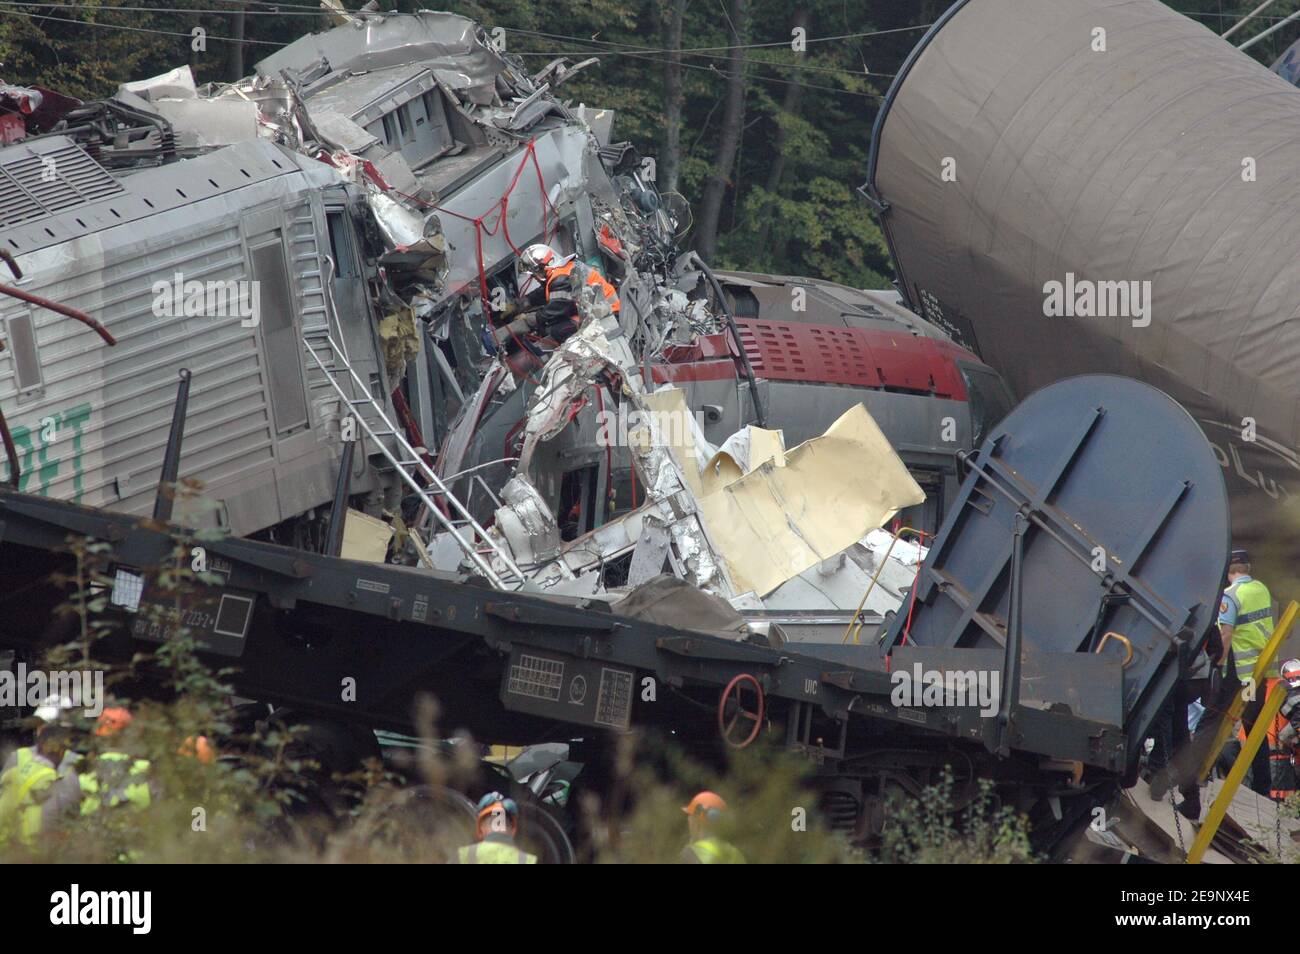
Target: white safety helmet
535,258
1291,673
53,708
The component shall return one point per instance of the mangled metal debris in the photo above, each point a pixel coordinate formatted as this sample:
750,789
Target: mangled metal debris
376,183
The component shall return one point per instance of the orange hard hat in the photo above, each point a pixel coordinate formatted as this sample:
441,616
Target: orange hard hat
112,721
487,807
199,748
705,802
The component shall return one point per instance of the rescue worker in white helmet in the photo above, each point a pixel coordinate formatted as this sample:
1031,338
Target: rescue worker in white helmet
497,828
555,300
1286,781
1291,705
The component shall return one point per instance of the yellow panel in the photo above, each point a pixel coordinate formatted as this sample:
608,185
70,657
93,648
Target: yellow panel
365,538
775,522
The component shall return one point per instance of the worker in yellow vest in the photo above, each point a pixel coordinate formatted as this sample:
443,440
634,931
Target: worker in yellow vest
1245,626
496,829
704,814
113,778
33,793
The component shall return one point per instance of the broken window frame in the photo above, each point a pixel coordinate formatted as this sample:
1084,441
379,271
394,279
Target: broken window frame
983,383
590,500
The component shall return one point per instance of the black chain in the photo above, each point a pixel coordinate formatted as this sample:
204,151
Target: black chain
1178,824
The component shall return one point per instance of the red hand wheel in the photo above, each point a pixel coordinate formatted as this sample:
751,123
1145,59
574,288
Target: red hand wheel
733,694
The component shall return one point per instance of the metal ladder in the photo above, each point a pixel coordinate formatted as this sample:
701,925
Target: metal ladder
411,462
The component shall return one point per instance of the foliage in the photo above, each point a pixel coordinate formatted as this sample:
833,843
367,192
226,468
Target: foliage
933,830
772,815
808,220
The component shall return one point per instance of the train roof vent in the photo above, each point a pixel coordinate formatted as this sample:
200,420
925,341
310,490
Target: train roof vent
34,185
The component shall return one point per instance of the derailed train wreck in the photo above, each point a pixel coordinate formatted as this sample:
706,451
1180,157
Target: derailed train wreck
1018,662
366,193
538,527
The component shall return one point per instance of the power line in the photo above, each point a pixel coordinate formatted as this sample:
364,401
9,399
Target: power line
711,67
650,59
304,10
818,69
762,79
715,49
99,8
276,8
632,51
288,6
768,63
130,29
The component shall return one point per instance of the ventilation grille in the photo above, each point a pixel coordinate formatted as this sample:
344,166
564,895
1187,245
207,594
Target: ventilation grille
34,186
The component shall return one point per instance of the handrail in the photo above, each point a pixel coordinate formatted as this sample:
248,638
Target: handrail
1127,643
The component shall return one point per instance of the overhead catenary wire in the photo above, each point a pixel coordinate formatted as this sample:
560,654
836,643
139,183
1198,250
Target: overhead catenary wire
101,8
6,5
608,47
284,9
310,11
631,50
864,94
275,8
756,62
131,29
273,3
762,79
718,49
5,9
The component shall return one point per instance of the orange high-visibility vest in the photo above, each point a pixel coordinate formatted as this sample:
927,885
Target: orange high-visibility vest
593,278
1282,765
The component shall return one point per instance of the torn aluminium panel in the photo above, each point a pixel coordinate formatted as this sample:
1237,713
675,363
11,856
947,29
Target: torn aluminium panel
601,349
726,526
778,514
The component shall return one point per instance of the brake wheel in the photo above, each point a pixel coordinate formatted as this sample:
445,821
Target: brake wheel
733,713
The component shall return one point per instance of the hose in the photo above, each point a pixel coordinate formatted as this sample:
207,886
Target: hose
735,333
